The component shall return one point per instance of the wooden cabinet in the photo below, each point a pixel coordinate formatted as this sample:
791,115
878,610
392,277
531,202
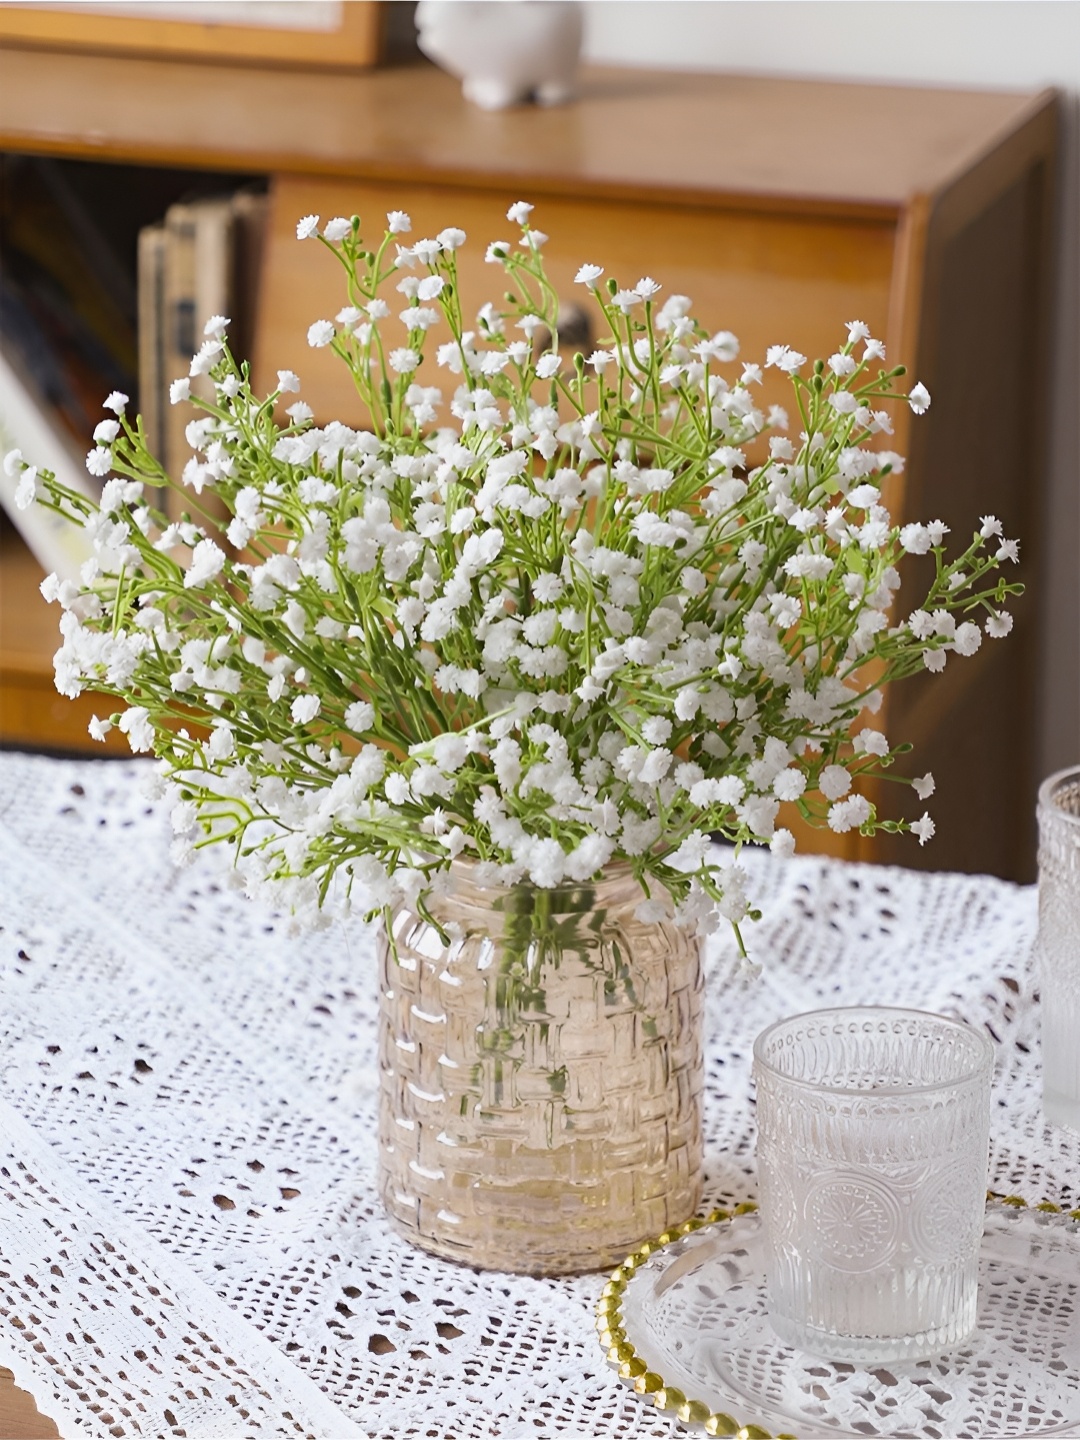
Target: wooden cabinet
784,208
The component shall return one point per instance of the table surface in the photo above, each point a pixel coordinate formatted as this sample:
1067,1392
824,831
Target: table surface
190,1242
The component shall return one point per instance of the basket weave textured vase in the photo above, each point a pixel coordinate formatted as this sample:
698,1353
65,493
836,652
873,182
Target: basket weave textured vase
541,1076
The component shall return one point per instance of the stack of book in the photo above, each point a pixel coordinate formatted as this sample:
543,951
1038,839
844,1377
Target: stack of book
78,319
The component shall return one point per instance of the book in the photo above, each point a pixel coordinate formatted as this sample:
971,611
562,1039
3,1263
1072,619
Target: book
153,369
67,313
29,424
202,260
250,212
198,261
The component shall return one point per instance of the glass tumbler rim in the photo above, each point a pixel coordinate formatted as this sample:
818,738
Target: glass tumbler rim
981,1063
1045,803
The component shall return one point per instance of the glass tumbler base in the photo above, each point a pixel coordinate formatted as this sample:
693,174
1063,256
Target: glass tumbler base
1061,1109
865,1350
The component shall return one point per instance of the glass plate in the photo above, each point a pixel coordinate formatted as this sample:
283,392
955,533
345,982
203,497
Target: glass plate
685,1323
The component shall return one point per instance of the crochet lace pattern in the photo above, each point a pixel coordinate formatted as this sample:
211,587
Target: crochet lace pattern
190,1243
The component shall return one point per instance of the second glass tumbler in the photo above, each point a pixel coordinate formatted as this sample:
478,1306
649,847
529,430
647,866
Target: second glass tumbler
873,1138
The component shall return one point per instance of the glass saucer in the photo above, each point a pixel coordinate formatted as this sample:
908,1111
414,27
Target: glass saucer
685,1323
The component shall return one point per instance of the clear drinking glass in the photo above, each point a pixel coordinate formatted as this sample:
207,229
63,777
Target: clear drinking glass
873,1138
1058,944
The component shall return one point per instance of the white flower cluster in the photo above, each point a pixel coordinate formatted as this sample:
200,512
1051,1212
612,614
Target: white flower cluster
546,614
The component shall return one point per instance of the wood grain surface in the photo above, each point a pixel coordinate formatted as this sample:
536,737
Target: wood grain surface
635,134
20,1418
353,44
32,713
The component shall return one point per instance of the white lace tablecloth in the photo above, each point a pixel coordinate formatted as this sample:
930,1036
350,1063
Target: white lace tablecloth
190,1243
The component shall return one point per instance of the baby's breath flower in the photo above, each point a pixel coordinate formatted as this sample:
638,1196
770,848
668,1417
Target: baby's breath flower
404,360
784,358
207,561
915,539
360,716
545,637
27,489
919,399
870,742
135,723
304,708
924,787
320,334
834,782
849,814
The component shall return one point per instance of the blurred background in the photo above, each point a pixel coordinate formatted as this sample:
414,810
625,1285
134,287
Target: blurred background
790,166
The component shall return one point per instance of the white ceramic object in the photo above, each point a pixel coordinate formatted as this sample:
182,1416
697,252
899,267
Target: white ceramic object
504,51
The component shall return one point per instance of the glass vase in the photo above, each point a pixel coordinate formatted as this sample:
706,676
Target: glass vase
1058,945
541,1075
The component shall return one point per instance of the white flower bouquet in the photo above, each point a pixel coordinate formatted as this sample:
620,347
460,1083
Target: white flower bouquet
577,611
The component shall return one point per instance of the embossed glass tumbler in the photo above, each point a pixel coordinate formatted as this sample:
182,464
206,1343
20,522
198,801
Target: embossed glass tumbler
1058,945
873,1136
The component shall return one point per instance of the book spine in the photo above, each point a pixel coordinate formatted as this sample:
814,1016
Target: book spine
203,260
153,370
180,342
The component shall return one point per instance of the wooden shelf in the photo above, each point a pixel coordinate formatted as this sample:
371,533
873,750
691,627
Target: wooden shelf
635,134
